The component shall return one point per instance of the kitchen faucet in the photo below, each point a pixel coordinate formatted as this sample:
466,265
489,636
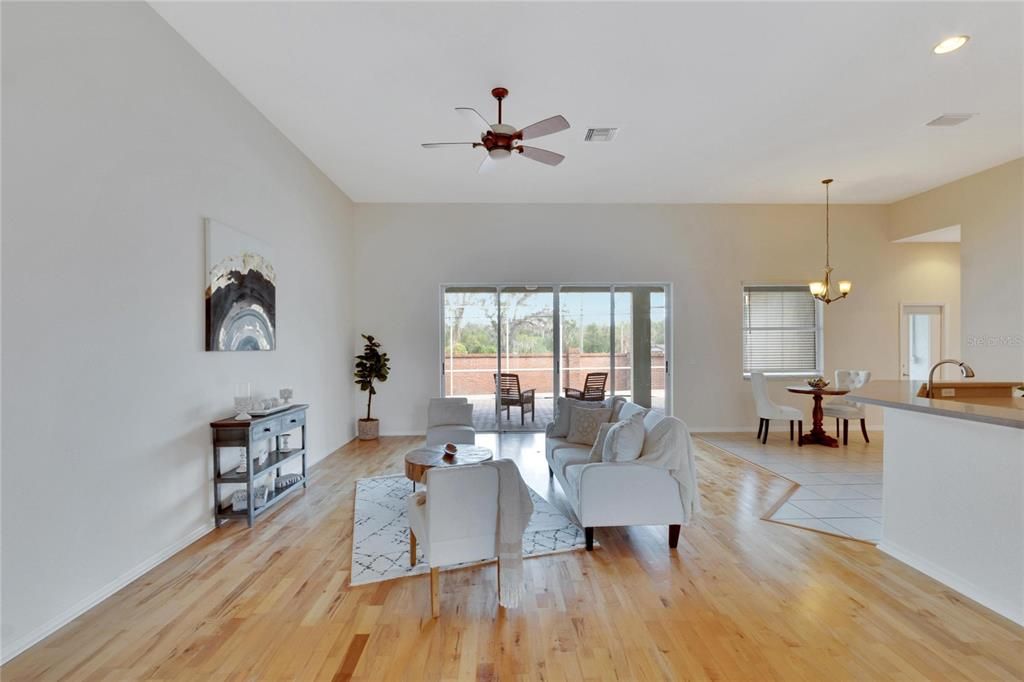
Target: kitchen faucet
965,369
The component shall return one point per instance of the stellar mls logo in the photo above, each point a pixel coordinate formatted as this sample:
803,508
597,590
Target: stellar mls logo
991,340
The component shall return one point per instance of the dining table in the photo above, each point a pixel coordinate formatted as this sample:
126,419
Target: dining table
817,435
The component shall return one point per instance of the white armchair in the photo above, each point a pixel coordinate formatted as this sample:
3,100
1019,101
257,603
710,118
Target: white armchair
768,410
455,521
450,420
841,408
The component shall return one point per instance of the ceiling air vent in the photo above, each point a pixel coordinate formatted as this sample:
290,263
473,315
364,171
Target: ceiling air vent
947,120
600,134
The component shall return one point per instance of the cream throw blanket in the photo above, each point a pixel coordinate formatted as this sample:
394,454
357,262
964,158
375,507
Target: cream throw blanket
668,445
514,511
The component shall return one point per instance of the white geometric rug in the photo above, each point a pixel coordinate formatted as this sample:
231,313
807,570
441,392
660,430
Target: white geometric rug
380,538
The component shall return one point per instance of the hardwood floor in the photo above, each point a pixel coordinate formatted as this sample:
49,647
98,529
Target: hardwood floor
740,599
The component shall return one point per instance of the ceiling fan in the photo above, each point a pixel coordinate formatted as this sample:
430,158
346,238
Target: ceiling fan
500,140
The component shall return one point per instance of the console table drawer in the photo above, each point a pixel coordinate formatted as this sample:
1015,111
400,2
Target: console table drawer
265,429
292,421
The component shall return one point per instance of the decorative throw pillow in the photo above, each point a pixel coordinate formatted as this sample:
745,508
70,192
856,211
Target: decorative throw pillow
585,423
563,414
625,440
597,452
617,403
629,409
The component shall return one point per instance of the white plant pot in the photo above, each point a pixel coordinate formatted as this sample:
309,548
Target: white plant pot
368,429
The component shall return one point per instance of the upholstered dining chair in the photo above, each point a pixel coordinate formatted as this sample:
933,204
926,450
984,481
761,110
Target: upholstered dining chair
593,388
454,521
768,410
841,408
512,396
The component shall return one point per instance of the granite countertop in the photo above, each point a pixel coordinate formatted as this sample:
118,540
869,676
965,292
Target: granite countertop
902,395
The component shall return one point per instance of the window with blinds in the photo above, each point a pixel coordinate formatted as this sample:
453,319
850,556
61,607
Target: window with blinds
782,330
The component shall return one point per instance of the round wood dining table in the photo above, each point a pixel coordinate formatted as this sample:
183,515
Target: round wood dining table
817,436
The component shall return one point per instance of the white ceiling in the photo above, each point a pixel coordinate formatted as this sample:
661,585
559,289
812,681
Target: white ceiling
715,102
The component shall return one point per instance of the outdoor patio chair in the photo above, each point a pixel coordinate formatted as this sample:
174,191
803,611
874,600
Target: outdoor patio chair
511,396
593,388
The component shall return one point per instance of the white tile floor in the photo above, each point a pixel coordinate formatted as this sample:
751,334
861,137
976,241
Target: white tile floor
840,488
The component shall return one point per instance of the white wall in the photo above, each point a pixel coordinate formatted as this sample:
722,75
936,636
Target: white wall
989,207
117,140
404,252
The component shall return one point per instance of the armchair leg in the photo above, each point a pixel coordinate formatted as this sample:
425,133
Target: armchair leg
673,535
589,532
550,472
800,433
837,428
522,415
435,591
846,431
791,429
412,548
864,430
765,438
760,427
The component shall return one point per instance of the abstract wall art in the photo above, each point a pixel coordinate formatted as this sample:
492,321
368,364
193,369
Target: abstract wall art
241,291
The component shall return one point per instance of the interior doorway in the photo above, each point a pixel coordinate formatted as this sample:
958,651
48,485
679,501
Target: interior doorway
921,342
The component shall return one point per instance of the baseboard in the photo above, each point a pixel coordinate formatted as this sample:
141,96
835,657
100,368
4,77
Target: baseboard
1014,612
59,621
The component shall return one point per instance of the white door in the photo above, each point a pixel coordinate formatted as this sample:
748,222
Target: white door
920,340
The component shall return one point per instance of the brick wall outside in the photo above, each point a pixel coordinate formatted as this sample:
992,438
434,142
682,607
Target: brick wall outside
474,374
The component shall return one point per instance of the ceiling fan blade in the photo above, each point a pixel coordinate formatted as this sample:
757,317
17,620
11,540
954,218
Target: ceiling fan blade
554,124
542,155
473,118
487,166
431,145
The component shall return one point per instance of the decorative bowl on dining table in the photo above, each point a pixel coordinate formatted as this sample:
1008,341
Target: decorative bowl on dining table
817,382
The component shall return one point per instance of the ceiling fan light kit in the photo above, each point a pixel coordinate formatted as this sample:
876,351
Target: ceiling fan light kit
501,140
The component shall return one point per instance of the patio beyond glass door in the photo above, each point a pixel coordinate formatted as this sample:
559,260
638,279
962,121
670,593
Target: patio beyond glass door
512,349
527,361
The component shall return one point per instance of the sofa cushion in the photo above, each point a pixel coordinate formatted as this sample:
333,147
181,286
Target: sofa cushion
597,452
651,420
566,457
573,472
585,424
564,407
629,409
624,440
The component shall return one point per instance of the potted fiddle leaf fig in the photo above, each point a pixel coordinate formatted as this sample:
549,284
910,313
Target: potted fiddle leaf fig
371,366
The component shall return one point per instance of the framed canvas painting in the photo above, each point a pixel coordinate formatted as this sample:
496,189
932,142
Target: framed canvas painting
240,291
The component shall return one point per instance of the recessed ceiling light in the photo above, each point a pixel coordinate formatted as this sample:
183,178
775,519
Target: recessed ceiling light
950,44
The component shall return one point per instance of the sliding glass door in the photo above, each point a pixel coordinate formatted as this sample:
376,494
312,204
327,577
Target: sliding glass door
511,349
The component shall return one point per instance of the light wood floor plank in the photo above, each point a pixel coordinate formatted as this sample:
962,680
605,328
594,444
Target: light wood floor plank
741,599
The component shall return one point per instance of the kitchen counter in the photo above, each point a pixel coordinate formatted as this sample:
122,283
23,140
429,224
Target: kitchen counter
953,485
987,408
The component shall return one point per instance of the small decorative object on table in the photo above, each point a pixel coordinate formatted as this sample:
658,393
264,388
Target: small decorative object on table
817,382
284,442
239,501
450,450
286,395
286,480
243,400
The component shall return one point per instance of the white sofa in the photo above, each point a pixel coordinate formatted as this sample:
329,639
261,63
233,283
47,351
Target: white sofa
617,493
450,420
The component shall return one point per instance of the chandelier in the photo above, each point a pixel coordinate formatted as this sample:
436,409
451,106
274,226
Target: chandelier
823,290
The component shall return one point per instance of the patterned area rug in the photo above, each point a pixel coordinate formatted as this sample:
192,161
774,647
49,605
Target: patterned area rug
380,539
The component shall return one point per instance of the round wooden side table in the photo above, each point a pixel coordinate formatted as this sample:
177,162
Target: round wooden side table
418,461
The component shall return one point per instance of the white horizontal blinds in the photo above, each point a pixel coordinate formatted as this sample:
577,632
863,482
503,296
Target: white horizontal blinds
780,330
